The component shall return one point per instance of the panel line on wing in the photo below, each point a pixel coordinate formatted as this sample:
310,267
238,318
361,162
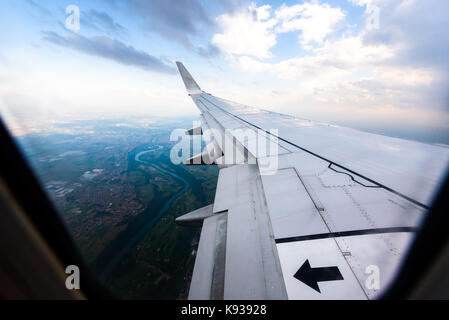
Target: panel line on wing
352,178
346,234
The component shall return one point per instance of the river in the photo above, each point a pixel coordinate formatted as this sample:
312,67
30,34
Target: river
132,241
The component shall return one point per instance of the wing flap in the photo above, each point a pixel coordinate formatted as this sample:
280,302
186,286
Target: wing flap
252,267
207,280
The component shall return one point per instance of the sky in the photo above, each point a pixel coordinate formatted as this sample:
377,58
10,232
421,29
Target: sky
346,62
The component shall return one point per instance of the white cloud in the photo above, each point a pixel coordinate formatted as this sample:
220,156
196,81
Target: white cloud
333,61
315,21
253,30
348,77
397,72
248,31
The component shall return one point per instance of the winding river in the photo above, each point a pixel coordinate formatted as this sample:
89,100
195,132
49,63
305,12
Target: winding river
132,241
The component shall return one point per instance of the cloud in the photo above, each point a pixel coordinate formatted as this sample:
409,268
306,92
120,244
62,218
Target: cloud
416,29
110,49
41,9
253,30
416,32
178,21
397,70
348,72
331,61
183,21
230,6
100,20
209,51
315,21
247,32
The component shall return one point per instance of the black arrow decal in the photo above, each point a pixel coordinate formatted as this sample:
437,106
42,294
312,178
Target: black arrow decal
311,276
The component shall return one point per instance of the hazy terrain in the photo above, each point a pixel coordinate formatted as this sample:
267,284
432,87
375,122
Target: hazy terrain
119,194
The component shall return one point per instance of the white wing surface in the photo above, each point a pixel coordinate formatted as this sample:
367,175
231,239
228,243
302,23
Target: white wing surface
304,210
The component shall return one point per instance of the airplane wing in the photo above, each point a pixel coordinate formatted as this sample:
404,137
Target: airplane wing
304,210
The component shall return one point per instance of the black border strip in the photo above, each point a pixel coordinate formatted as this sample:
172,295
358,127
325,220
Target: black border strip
346,234
322,158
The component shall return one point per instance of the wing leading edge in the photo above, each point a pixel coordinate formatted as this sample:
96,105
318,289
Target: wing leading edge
338,199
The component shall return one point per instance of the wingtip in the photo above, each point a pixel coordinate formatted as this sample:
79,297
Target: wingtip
190,84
